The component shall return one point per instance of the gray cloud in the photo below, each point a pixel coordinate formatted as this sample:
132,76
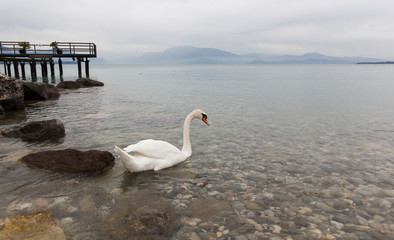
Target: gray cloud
131,27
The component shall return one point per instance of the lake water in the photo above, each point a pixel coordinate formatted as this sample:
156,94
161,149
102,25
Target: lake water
293,151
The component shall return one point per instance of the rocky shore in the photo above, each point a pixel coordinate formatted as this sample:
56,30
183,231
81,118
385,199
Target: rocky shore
14,92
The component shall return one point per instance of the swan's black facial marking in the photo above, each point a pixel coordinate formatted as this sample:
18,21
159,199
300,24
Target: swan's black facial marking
204,118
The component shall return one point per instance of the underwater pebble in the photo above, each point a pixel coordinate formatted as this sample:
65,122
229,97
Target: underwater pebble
67,220
337,225
325,207
194,221
194,236
276,229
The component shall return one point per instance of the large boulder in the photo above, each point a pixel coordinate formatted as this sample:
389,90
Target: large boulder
69,85
11,93
70,160
37,130
40,91
86,82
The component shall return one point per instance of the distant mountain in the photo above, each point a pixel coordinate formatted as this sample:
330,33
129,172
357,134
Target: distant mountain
195,55
187,55
98,61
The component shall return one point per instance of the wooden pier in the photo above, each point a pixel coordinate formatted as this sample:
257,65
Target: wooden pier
20,53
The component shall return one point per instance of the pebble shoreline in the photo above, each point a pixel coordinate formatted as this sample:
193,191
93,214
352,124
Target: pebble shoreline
275,200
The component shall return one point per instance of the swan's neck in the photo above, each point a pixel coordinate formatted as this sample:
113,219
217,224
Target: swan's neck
187,147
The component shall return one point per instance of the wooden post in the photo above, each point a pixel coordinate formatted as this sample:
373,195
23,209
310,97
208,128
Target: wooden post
23,70
33,69
52,66
60,67
79,67
9,68
5,67
87,67
44,69
16,69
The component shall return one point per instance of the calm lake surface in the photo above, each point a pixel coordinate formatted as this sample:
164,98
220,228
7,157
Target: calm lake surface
300,151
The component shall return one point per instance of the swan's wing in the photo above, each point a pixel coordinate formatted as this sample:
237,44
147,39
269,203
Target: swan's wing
137,163
153,149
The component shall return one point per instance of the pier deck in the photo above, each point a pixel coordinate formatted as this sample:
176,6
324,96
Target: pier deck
24,52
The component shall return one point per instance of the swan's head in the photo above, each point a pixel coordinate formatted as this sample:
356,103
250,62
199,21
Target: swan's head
200,114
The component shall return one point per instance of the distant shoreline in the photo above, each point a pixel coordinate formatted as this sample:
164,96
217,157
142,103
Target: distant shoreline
387,62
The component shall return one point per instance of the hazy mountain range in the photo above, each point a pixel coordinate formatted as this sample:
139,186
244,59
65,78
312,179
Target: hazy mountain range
195,55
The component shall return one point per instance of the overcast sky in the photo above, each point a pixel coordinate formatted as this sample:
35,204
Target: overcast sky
132,27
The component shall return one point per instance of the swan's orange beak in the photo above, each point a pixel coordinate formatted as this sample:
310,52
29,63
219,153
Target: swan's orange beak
205,120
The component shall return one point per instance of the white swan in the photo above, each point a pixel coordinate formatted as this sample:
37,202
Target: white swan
155,154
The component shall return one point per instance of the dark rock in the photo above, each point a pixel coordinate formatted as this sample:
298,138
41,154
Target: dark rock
371,211
70,160
11,93
292,232
68,85
301,222
342,218
1,110
281,197
341,204
307,200
141,217
86,82
40,91
37,130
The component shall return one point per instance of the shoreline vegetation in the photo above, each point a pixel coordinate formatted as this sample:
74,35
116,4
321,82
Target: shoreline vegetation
387,62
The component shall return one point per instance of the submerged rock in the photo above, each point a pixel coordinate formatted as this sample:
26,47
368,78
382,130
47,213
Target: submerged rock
142,217
40,226
40,91
211,208
37,130
11,93
68,85
86,82
70,160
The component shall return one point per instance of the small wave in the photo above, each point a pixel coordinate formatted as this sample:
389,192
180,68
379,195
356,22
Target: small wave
98,115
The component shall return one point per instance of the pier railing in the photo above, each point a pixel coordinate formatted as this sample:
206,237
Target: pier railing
59,49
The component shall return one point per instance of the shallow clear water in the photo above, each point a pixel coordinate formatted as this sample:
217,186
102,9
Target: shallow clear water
286,130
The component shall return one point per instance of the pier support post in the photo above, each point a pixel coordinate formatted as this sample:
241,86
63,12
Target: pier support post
5,67
60,67
52,66
9,68
87,67
79,67
33,69
16,69
23,70
44,69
